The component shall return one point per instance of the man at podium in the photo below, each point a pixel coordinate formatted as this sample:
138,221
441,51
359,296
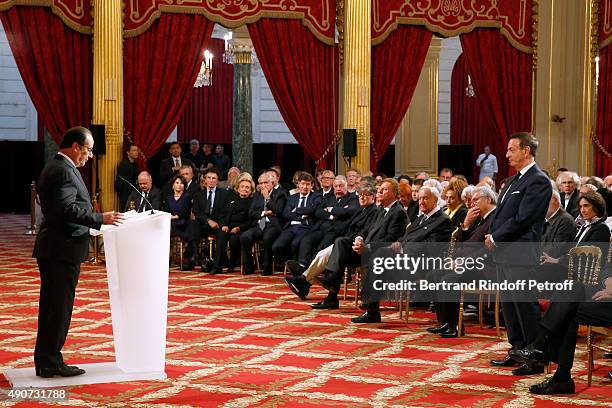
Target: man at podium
61,246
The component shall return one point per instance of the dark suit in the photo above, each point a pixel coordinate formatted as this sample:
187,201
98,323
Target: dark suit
128,171
166,172
519,218
61,246
236,214
197,159
271,229
204,211
572,205
458,217
299,221
326,230
154,196
223,164
557,240
598,234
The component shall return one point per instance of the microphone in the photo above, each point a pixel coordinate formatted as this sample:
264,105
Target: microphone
139,192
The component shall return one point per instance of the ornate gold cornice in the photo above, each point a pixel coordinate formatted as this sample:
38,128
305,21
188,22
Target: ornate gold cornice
61,13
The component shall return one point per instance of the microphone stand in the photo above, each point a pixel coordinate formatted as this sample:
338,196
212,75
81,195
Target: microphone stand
139,192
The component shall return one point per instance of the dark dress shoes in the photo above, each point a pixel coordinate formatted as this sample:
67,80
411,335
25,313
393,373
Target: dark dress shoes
62,371
266,272
529,369
610,375
188,265
438,329
214,271
507,361
607,355
294,267
298,285
326,305
367,317
528,355
552,386
450,333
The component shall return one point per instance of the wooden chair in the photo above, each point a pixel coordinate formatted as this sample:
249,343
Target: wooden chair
176,250
481,294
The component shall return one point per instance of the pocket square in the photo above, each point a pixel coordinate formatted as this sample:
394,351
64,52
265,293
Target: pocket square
516,192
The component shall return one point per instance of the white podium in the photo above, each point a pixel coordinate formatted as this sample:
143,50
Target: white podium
137,267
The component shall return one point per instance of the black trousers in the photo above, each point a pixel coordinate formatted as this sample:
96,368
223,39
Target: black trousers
565,313
312,243
195,231
58,281
289,239
255,234
520,308
223,239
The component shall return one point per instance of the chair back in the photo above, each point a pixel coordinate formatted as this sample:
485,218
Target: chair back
453,243
584,264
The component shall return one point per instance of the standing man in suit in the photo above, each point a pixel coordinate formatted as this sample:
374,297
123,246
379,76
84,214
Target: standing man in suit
569,185
148,191
169,167
519,220
194,154
222,162
61,246
129,171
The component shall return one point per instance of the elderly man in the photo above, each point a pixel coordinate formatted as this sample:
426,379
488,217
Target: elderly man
331,220
569,186
445,174
194,154
138,201
327,180
192,187
360,220
388,226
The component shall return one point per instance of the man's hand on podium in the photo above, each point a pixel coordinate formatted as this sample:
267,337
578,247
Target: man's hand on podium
112,218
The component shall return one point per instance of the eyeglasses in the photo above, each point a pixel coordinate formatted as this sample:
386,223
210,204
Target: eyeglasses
364,195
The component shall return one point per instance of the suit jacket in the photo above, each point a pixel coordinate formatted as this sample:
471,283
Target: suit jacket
154,197
519,218
386,228
559,233
436,228
67,211
572,206
193,188
275,203
128,171
165,169
474,238
597,235
412,211
236,213
220,203
303,214
223,164
458,217
361,220
342,209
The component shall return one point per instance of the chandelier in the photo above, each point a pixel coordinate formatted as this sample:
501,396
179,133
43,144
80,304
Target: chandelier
469,90
228,54
205,75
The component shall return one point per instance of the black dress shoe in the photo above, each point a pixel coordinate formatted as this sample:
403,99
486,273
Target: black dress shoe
298,285
607,355
62,371
294,267
215,271
438,329
188,266
247,271
266,272
367,317
610,375
529,369
552,386
450,333
507,361
528,355
326,305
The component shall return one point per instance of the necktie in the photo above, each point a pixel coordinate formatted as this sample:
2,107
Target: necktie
302,202
423,219
176,162
210,203
142,202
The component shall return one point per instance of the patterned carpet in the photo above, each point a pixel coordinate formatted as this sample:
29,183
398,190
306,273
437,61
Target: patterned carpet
237,341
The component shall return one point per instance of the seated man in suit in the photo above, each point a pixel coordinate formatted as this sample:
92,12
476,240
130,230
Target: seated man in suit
361,219
208,207
332,217
569,187
267,212
556,339
430,227
148,191
388,226
327,180
472,232
192,186
169,167
299,216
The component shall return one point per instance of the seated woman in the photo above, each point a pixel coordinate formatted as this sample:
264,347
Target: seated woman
234,220
455,209
178,203
592,209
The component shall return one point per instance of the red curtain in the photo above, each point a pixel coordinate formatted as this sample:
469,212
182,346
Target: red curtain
208,114
603,162
396,67
160,67
302,74
56,65
501,76
470,125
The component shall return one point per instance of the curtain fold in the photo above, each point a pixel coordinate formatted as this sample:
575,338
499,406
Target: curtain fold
208,114
396,67
56,65
502,77
160,67
470,124
303,76
603,163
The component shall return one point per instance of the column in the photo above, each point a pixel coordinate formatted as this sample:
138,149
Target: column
356,77
108,91
563,88
416,141
242,126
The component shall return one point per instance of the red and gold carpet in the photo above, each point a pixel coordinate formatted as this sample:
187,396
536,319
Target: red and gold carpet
237,341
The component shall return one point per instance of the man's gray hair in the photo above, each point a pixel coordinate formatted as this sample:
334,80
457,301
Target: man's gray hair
572,174
467,192
432,190
367,188
341,178
486,191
